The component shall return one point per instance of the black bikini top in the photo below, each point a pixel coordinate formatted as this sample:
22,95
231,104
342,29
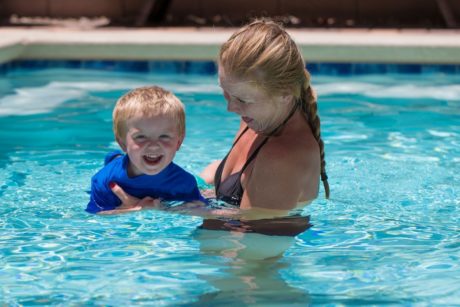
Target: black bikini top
230,190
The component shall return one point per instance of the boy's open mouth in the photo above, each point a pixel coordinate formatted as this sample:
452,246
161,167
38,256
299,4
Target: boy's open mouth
152,159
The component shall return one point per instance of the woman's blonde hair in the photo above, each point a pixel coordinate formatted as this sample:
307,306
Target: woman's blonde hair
264,53
147,101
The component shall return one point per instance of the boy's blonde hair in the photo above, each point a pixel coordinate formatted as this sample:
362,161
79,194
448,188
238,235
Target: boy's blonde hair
147,101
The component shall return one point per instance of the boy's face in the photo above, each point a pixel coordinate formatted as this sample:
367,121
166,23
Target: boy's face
151,144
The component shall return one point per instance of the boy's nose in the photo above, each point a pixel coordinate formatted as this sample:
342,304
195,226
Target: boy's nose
152,144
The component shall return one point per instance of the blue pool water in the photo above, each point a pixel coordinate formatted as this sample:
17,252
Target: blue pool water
389,234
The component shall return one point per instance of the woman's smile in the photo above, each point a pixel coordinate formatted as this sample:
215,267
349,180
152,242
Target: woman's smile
246,119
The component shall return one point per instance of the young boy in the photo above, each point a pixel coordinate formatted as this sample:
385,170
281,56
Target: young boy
149,125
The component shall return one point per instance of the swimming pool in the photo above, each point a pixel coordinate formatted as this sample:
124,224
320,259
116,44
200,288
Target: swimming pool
388,235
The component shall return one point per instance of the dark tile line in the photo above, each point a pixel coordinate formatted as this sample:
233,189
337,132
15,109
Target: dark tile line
210,68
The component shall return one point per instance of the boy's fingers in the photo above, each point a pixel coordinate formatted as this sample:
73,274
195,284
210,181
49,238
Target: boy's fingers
149,202
126,199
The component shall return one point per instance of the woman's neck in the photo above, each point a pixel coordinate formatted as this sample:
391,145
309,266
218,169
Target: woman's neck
285,121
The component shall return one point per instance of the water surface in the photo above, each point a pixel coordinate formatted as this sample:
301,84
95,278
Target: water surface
388,235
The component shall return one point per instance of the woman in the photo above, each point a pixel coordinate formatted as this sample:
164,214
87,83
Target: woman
278,155
277,158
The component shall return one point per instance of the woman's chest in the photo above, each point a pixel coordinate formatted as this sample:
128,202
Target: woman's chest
243,154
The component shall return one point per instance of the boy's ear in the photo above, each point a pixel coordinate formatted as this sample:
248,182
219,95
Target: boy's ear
121,144
179,143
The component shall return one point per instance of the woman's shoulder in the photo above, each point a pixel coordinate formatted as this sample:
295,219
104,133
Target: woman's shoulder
292,149
284,174
293,159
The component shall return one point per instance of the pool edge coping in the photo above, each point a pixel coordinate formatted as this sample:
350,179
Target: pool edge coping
318,45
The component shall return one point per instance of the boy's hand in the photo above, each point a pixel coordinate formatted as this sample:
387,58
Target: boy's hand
131,203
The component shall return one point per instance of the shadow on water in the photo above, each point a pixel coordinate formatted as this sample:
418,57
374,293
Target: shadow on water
250,269
252,282
250,274
15,179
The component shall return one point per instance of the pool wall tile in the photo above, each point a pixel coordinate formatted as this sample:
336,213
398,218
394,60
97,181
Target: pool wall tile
365,69
101,65
133,66
404,68
168,67
205,67
446,69
210,67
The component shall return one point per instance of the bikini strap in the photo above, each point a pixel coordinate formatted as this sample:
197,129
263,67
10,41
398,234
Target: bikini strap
220,168
255,152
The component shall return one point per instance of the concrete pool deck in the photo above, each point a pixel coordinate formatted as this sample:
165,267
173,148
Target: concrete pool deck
318,45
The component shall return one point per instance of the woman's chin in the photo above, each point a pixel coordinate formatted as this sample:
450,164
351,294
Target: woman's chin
251,124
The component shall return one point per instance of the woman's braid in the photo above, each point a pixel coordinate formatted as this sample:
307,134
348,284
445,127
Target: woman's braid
310,109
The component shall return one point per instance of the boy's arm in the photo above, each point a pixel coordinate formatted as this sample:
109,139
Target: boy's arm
95,203
102,198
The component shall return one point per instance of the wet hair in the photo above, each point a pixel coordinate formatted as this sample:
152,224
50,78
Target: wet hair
264,53
147,101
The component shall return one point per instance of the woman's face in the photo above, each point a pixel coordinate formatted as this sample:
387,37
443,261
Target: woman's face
260,111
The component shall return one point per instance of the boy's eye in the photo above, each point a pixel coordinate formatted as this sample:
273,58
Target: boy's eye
139,137
165,137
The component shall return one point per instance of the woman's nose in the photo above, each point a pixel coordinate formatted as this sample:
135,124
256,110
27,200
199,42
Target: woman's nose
232,106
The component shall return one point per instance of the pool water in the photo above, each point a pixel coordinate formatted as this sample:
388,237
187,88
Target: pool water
390,234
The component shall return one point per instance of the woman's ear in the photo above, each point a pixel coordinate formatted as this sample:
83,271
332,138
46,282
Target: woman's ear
121,144
287,97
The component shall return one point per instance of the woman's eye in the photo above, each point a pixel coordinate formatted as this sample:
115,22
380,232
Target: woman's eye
235,98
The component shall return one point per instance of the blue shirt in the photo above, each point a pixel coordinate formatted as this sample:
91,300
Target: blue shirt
171,184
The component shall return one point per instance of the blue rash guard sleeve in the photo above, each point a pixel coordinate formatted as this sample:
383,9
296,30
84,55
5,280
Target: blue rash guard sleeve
112,155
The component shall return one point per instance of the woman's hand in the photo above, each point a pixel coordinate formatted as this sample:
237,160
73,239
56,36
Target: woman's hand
130,203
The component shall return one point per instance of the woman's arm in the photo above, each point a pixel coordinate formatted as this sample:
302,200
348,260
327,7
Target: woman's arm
209,172
197,208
